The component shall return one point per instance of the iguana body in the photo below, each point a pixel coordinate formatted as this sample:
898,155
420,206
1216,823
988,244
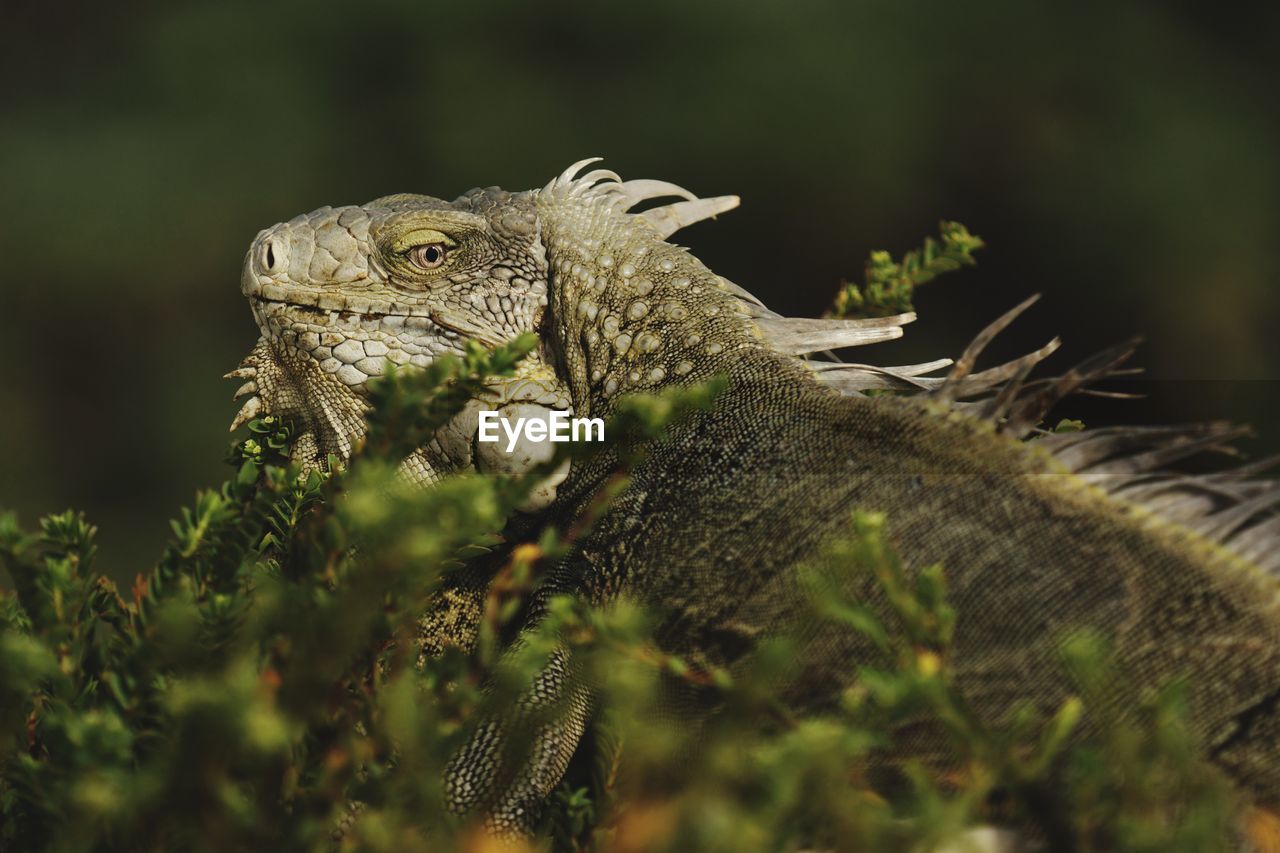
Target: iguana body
1038,538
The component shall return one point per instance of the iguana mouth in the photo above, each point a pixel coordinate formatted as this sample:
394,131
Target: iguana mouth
324,301
317,311
438,320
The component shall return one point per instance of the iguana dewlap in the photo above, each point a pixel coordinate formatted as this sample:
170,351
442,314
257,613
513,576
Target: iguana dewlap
1039,538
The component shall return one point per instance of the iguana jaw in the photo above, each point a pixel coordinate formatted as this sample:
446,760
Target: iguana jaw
352,346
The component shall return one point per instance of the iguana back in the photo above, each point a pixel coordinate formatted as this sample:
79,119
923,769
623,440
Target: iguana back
1031,555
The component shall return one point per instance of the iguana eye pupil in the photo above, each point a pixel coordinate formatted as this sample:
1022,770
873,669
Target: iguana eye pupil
428,256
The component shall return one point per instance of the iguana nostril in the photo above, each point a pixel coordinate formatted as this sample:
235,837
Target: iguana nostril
271,258
267,257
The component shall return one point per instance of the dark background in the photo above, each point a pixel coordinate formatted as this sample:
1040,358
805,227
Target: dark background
1121,158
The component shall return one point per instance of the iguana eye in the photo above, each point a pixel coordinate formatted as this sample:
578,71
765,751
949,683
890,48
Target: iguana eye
427,256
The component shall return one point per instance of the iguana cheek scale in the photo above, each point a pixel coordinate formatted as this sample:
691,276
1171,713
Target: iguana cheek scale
1039,538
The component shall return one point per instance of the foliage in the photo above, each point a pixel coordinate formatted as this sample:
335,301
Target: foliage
891,284
260,687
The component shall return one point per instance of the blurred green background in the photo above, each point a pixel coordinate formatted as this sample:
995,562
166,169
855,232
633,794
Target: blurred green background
1121,158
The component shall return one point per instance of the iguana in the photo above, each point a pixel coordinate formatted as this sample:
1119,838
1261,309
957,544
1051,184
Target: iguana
1038,537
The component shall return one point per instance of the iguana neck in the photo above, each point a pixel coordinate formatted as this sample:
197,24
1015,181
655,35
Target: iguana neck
629,312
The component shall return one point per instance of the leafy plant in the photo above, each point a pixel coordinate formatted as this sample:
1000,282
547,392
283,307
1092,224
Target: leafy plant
265,686
890,285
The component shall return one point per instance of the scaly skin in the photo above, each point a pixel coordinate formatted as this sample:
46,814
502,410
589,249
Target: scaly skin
1039,539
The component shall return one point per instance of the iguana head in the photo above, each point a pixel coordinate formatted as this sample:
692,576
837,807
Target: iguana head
341,293
398,280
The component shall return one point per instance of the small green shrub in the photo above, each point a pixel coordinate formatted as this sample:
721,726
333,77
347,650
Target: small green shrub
260,687
890,285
